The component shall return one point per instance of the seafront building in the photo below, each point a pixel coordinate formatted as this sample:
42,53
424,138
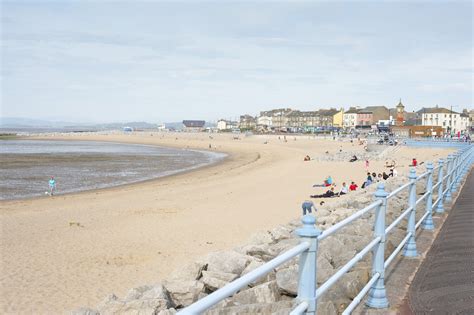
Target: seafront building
226,125
450,121
366,119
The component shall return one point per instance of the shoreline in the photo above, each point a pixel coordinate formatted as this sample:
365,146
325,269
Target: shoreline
118,186
73,250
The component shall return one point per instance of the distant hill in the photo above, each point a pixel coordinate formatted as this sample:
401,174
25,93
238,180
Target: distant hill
25,123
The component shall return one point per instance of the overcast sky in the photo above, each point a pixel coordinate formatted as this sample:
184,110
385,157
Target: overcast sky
157,61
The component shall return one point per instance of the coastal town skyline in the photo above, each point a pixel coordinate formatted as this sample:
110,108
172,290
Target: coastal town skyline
165,62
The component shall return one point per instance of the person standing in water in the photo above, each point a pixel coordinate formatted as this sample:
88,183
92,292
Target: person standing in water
52,185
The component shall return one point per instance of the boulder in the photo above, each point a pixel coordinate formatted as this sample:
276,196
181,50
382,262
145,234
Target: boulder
260,252
191,271
325,269
264,237
85,311
255,264
280,233
214,280
282,246
142,300
354,281
184,293
264,293
282,307
227,262
327,308
170,311
110,305
287,280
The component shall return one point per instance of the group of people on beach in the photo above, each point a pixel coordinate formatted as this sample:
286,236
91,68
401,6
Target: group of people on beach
370,179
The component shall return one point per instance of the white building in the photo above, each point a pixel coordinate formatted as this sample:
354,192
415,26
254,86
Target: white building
266,121
349,118
451,121
223,124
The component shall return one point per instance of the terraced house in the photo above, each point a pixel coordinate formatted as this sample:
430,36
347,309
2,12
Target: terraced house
451,121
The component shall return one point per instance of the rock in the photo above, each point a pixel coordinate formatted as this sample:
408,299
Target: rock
287,280
264,293
260,252
327,308
261,238
110,305
282,307
280,233
252,266
85,311
136,293
227,261
354,281
184,293
191,271
325,269
214,280
170,311
282,246
142,300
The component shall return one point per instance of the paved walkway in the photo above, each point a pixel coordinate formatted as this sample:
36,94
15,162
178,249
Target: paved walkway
444,283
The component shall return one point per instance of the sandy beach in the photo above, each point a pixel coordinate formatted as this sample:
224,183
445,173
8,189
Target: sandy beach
59,253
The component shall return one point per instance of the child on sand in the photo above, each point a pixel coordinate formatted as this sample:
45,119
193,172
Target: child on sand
52,185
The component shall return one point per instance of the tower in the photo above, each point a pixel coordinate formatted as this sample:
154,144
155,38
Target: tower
400,113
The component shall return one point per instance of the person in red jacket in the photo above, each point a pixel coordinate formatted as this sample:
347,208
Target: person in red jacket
414,162
353,186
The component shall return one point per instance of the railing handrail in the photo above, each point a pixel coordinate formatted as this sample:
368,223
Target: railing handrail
455,164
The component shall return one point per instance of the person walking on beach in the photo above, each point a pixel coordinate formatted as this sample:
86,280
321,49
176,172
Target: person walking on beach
366,165
52,186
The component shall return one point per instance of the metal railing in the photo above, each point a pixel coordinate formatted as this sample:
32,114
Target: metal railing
457,165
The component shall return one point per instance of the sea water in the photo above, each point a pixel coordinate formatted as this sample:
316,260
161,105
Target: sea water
27,165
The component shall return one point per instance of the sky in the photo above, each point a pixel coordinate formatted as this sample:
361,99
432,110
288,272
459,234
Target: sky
103,61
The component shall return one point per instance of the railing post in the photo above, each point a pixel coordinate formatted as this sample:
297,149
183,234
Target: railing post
428,221
410,246
459,171
377,294
307,282
455,171
448,197
440,207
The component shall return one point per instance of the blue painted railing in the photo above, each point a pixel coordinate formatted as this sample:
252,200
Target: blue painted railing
457,167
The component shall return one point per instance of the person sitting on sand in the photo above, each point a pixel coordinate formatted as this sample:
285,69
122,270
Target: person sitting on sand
307,158
414,162
327,182
368,181
353,159
353,186
328,194
308,206
385,176
390,164
344,189
52,185
393,172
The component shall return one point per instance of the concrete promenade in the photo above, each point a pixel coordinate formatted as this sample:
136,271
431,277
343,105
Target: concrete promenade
444,283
